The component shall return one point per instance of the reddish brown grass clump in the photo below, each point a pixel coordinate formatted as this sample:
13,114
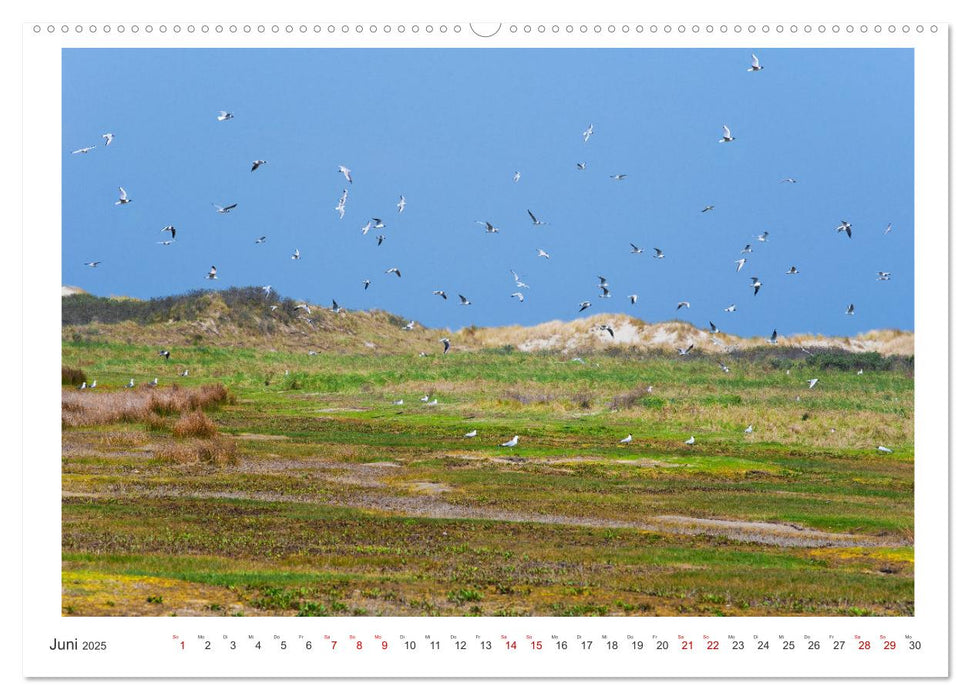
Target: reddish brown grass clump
194,424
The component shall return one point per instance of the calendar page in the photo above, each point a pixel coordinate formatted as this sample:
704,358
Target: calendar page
456,349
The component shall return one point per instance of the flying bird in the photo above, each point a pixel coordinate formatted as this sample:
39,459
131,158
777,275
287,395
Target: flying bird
684,351
515,176
606,328
261,239
266,290
256,164
587,133
618,178
581,166
518,295
340,203
511,443
108,138
445,344
635,249
536,221
224,116
707,208
401,203
887,230
792,271
212,273
682,305
658,253
365,228
746,249
726,135
463,301
346,172
730,308
763,238
123,196
410,326
393,271
488,227
740,263
584,305
756,66
540,253
224,210
850,310
83,150
335,307
367,283
812,382
633,298
439,292
296,254
714,328
756,285
519,281
378,223
775,336
883,277
380,239
846,228
93,263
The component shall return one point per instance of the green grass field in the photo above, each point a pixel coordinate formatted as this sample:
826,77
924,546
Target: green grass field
319,496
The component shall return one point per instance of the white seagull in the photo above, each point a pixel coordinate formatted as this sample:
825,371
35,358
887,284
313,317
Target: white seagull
618,178
763,238
123,196
708,207
463,301
410,326
224,116
627,440
393,271
519,281
850,310
224,210
540,253
536,221
746,249
109,137
346,172
633,298
401,203
846,228
635,249
212,273
658,253
365,228
441,293
296,254
730,309
261,239
756,66
726,135
267,289
83,150
682,305
685,351
511,443
883,277
885,450
714,328
367,283
587,133
471,433
887,230
740,263
749,429
690,440
130,384
775,335
171,229
255,164
445,344
518,295
756,285
516,176
789,180
581,166
812,382
584,305
488,227
93,263
792,271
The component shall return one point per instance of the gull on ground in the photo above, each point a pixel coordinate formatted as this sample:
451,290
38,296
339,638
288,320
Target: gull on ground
860,371
690,440
724,368
398,402
154,382
627,440
164,353
184,373
885,450
471,433
130,384
511,443
122,196
749,429
410,326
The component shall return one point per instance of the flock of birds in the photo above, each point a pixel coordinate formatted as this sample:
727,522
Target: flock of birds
377,224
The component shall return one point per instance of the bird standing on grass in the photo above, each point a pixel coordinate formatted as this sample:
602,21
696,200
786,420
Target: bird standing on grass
511,443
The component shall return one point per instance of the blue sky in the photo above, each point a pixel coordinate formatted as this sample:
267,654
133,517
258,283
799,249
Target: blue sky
448,128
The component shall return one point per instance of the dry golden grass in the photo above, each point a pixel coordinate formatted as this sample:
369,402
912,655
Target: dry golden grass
218,451
194,424
143,405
